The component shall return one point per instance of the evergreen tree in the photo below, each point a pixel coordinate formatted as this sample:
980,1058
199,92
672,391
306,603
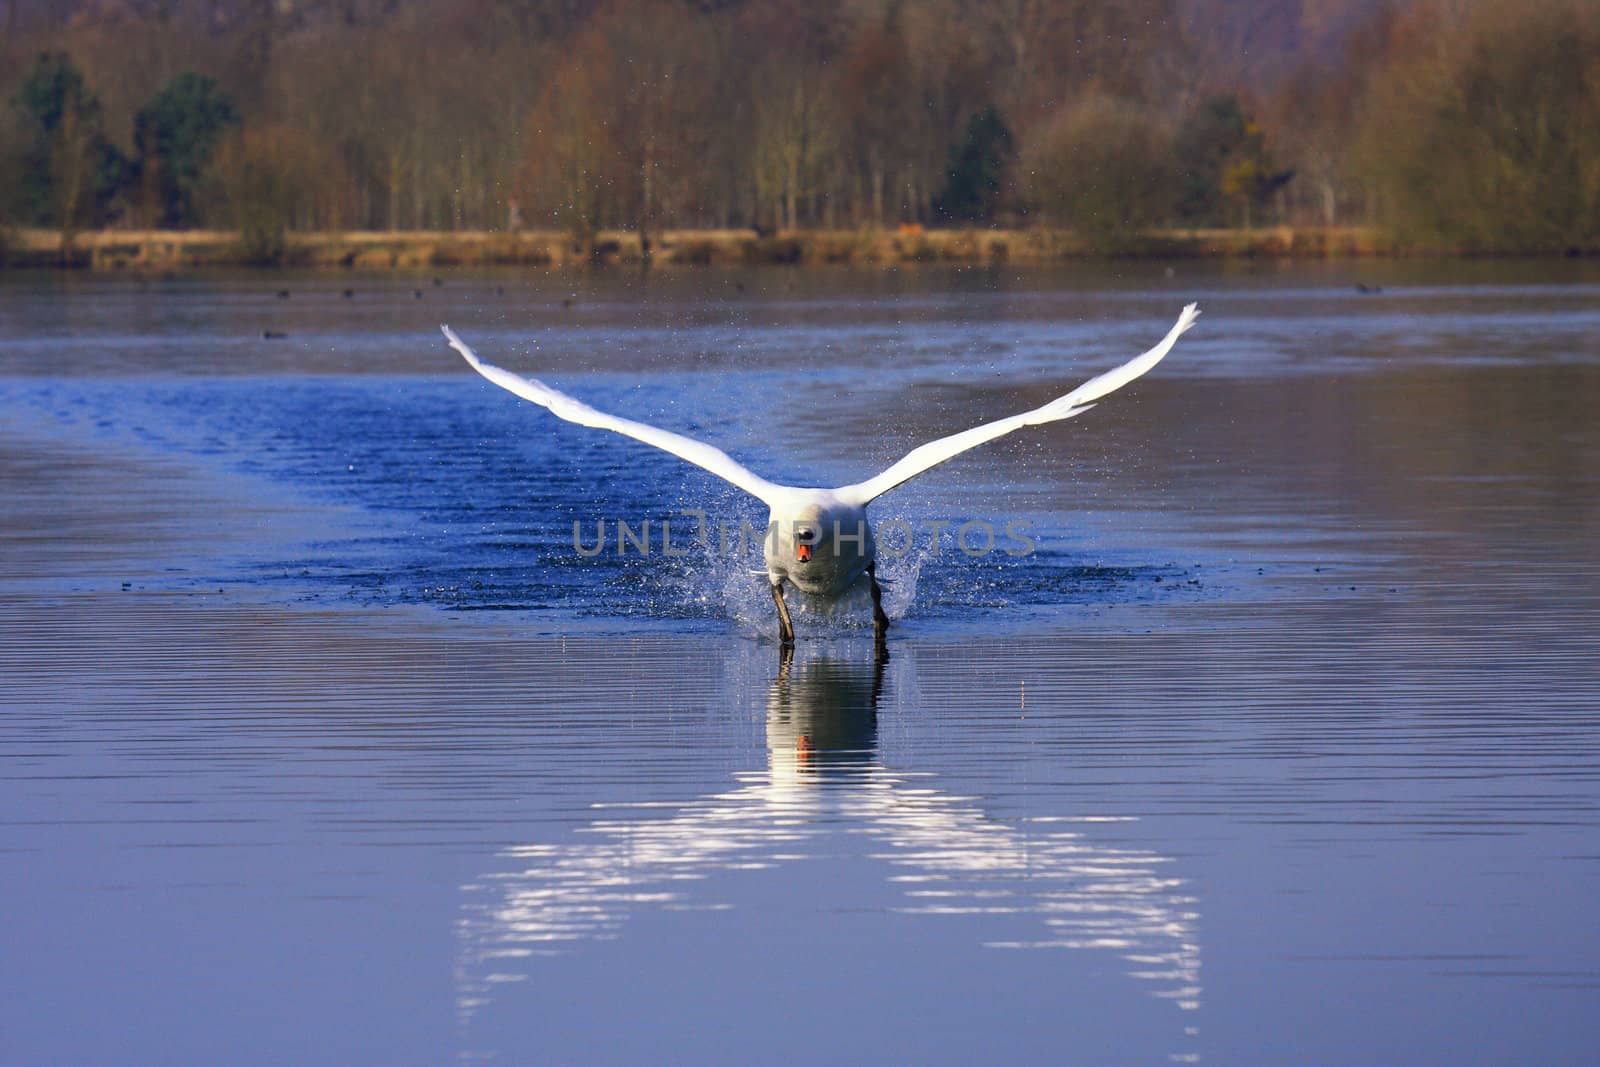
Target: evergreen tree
1222,158
70,172
976,171
176,133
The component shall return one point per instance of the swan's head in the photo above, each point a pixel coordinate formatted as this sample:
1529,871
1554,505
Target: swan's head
818,543
807,536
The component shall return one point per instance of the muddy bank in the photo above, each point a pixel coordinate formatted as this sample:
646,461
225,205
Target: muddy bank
375,250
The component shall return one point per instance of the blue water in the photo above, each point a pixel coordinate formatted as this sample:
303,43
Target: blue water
469,498
321,743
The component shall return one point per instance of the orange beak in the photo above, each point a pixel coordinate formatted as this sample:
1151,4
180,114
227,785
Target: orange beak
802,553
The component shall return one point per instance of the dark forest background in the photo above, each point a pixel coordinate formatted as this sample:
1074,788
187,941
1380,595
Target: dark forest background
1468,124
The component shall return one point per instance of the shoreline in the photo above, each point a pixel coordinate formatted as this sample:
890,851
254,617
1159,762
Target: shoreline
112,250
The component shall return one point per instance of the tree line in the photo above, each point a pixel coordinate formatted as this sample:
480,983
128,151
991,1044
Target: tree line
1455,123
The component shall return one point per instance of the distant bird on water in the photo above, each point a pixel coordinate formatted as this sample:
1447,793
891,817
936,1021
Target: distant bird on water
819,540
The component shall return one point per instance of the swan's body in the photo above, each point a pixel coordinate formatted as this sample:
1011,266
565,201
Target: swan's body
819,540
841,541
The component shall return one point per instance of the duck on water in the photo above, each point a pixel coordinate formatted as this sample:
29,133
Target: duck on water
820,541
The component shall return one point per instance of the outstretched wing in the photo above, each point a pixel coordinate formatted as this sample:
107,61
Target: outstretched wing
1074,403
714,460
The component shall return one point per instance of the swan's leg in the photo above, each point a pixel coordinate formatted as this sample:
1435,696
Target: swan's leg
880,621
785,627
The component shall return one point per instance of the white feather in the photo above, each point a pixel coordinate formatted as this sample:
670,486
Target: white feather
785,497
714,460
1074,403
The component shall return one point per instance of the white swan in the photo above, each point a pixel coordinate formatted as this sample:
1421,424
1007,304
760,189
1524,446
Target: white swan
818,540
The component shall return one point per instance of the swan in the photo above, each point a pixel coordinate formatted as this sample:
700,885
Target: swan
818,539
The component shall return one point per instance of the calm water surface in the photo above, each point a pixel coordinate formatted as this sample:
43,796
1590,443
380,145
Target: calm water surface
319,742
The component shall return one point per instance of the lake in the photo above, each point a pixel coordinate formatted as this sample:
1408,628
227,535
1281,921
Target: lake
1267,730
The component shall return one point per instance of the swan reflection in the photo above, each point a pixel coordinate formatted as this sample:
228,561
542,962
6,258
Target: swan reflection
824,777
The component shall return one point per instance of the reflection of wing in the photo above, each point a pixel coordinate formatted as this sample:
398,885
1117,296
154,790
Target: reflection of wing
950,857
714,460
943,850
1090,896
1074,403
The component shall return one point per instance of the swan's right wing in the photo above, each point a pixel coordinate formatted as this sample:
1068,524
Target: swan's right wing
560,404
1074,403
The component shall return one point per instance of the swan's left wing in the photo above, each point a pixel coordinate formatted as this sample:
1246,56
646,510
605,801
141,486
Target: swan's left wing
714,460
1074,403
